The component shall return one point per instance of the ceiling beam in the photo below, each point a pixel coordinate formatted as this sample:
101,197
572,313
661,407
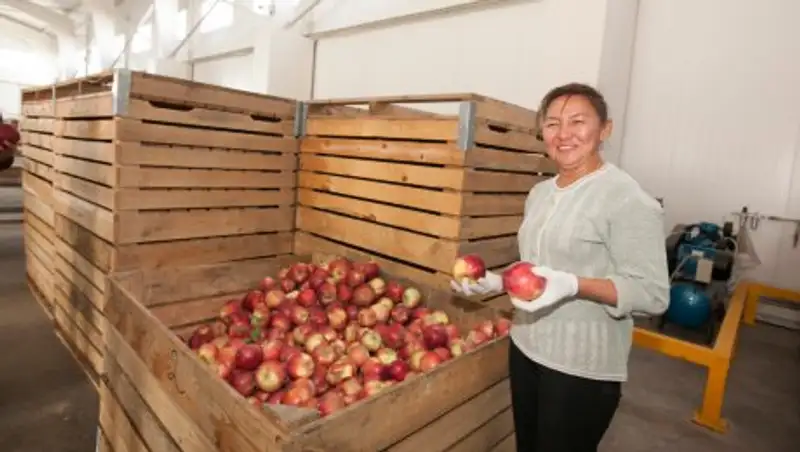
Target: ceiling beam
60,23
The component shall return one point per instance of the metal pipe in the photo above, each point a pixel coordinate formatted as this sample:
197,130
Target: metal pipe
193,30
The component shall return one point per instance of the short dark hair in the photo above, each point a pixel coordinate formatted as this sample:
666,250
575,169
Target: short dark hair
576,89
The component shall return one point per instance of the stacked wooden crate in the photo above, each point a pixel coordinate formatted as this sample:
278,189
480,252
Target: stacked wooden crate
157,395
152,172
416,188
36,146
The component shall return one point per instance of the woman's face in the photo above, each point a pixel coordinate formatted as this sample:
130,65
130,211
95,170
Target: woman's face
572,131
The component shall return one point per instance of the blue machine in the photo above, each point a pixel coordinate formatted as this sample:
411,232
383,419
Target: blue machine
689,305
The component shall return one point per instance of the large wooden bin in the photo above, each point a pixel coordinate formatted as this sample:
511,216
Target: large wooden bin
152,171
36,146
157,395
419,188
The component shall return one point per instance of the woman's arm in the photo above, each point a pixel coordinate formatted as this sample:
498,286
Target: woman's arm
639,281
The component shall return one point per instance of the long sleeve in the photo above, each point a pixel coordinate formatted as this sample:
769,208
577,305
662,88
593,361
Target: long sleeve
638,258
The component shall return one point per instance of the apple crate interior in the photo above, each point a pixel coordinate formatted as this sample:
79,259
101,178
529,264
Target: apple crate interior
36,147
419,187
152,171
183,343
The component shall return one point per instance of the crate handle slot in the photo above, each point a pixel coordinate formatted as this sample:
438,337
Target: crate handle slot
264,118
170,106
498,129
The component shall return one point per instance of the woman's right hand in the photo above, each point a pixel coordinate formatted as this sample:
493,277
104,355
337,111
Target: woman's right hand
490,284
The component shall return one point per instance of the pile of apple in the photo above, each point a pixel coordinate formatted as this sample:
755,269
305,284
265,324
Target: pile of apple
327,336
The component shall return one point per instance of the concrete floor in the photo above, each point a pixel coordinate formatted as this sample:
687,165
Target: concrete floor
46,404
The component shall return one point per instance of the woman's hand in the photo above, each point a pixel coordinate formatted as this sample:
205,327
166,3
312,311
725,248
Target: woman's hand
490,284
560,286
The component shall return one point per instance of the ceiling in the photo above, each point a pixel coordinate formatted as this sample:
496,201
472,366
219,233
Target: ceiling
42,16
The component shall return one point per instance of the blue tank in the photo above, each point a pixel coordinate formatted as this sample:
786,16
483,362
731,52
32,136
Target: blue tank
689,305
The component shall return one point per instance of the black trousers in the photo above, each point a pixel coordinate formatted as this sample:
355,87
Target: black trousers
556,412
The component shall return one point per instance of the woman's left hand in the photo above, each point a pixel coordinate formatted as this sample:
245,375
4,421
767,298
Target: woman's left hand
560,285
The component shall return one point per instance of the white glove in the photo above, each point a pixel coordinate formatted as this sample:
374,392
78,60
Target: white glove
560,286
489,284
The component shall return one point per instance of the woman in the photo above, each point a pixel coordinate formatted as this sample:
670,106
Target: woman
598,240
7,150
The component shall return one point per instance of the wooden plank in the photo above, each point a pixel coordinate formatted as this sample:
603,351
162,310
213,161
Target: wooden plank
434,129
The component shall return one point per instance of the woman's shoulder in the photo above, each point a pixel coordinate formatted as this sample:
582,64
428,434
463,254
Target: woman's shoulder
621,189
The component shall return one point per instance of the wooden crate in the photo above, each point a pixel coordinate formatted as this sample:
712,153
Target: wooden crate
36,147
418,188
153,171
157,395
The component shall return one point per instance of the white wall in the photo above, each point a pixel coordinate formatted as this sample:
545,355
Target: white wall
713,118
26,58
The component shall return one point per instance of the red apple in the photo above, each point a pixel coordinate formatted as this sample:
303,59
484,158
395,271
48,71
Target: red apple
339,346
267,284
249,357
352,311
398,370
429,360
260,316
476,338
253,299
358,354
457,347
208,352
434,336
520,282
372,340
363,295
340,370
350,333
244,383
371,269
343,292
416,359
300,365
276,334
394,291
239,328
486,327
400,314
394,336
337,318
367,317
469,268
373,387
436,317
411,297
297,396
280,321
299,315
373,369
301,333
271,349
339,267
443,353
283,273
313,341
270,376
316,280
386,356
328,333
274,298
298,272
355,278
288,352
378,286
288,285
382,313
230,308
503,326
276,398
328,293
351,388
324,354
307,298
331,402
317,316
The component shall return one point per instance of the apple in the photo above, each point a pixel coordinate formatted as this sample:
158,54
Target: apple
394,291
270,376
298,272
434,336
371,269
429,360
223,370
520,282
257,335
260,316
307,298
337,318
288,285
230,308
340,370
276,398
416,359
317,316
386,356
457,347
373,387
299,315
469,268
436,317
206,333
318,379
300,365
239,328
339,267
411,297
412,346
339,346
313,341
328,333
350,333
316,280
343,292
276,334
486,327
503,326
284,272
394,336
452,331
324,354
398,370
378,286
274,298
355,278
443,353
367,317
328,293
358,353
373,369
301,333
363,295
351,387
372,340
420,313
271,349
249,357
208,352
252,299
267,284
280,321
476,338
331,402
352,311
244,383
297,396
288,352
400,314
381,312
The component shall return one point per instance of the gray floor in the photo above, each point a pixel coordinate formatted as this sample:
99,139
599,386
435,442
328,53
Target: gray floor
47,405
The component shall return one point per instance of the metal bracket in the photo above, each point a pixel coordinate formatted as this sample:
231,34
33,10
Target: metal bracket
121,91
53,98
300,118
466,125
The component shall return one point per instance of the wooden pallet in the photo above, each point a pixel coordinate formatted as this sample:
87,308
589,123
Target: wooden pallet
152,171
156,394
417,188
36,129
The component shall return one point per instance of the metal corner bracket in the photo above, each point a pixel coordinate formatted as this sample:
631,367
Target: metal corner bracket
300,118
121,90
466,125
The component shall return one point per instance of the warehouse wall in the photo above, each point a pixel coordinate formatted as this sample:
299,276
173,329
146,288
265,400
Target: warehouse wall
26,58
713,122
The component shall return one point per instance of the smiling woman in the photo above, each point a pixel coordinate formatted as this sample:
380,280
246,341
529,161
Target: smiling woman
597,239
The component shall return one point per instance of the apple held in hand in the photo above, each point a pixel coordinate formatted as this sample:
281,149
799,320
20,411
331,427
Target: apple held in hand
470,268
520,282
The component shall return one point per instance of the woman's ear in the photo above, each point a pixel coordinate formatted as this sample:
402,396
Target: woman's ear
608,127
